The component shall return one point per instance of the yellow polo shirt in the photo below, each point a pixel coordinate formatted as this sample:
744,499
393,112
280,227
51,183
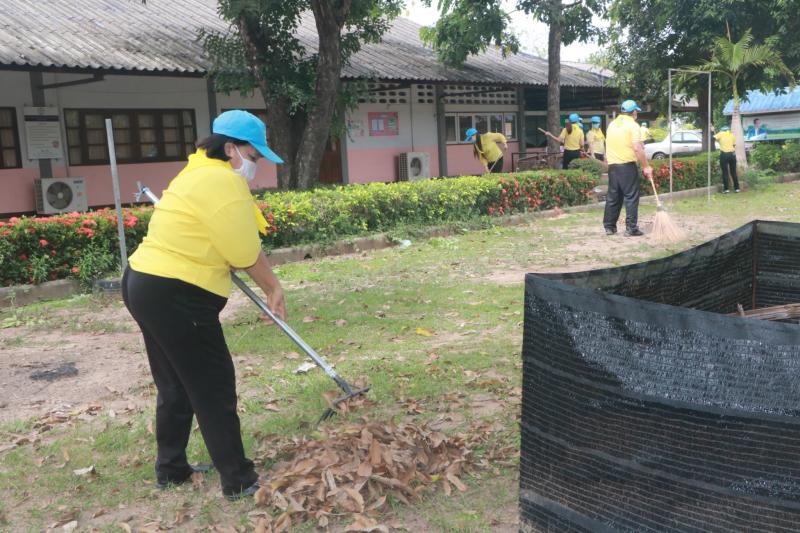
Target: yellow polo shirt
203,225
574,140
726,140
596,140
621,135
491,152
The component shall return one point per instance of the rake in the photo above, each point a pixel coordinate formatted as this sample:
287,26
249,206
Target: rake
349,392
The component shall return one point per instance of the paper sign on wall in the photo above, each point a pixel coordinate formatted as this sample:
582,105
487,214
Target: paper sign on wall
355,128
43,132
383,124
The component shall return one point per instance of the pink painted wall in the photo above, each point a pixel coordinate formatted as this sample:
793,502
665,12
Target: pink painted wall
16,194
462,162
367,165
16,189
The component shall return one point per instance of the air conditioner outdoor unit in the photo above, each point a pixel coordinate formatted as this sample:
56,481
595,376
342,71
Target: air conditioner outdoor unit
414,166
60,195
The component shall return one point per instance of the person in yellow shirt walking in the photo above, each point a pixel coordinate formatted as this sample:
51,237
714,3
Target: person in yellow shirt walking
572,138
177,282
596,140
486,150
727,158
623,148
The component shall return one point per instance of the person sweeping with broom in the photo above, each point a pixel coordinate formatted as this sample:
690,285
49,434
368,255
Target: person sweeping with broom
623,148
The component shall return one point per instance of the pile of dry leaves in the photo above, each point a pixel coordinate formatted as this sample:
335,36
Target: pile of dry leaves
350,472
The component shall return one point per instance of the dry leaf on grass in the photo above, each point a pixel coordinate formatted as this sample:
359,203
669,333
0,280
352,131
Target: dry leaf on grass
424,332
352,469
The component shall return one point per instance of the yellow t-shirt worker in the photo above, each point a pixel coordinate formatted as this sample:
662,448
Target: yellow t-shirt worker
596,140
485,149
177,283
623,148
572,138
727,158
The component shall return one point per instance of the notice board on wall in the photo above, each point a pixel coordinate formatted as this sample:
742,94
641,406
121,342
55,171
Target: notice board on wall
43,132
383,124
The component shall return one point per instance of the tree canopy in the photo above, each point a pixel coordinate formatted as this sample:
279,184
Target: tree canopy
299,81
648,36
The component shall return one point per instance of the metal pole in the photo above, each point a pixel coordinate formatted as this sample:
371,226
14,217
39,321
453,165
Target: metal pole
112,159
709,138
669,132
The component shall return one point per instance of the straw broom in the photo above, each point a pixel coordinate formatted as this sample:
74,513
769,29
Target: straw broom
664,229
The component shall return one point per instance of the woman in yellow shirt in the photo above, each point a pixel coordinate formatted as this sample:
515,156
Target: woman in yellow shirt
177,283
727,158
486,150
596,140
572,138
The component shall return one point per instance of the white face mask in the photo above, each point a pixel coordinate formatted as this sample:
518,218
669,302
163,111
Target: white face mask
248,168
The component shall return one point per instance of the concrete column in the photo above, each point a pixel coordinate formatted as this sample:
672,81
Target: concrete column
37,96
521,118
212,102
441,132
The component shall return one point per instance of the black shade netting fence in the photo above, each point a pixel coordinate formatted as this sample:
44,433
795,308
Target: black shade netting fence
647,408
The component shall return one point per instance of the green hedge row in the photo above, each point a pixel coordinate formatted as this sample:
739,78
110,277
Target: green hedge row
84,245
321,215
777,157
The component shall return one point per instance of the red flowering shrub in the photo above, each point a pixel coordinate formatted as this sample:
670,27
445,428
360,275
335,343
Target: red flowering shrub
687,173
37,249
84,245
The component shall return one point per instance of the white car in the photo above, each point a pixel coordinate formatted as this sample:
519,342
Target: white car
683,143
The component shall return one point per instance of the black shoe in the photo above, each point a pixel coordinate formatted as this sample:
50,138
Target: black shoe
633,232
610,231
166,482
246,493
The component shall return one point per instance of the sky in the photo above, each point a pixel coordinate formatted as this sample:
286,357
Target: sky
532,35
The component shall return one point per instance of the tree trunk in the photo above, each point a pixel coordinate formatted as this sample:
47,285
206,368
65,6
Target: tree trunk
329,67
738,133
302,138
554,73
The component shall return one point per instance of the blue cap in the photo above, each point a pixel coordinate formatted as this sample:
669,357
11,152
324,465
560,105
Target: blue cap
244,126
472,132
724,128
596,120
575,118
629,106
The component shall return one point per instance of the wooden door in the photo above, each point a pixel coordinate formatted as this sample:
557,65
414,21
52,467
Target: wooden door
330,170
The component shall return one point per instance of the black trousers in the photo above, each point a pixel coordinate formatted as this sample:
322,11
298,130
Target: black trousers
194,375
569,155
497,166
727,161
623,186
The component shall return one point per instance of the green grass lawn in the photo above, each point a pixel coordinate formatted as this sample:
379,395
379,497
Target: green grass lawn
362,313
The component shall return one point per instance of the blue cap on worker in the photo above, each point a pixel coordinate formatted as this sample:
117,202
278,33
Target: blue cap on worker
724,128
596,120
629,106
471,133
574,118
244,126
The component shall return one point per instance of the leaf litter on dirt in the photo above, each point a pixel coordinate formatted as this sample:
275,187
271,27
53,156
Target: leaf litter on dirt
348,473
